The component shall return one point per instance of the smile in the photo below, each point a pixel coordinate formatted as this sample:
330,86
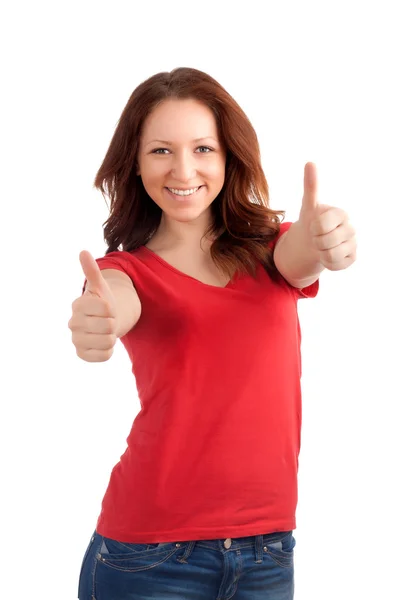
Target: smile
183,193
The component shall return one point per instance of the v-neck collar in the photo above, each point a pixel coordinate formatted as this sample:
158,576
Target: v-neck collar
175,270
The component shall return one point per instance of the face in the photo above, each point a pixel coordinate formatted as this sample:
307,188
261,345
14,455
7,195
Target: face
180,150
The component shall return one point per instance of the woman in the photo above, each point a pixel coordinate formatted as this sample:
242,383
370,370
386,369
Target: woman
202,503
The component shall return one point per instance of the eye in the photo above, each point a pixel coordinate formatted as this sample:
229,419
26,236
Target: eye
158,150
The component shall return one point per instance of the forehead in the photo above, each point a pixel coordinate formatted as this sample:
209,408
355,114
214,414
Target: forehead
176,120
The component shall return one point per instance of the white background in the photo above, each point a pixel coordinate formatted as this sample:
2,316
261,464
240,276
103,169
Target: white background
318,81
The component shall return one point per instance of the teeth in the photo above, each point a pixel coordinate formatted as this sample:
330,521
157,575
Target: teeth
183,192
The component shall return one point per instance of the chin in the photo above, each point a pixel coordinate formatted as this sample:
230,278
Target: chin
184,218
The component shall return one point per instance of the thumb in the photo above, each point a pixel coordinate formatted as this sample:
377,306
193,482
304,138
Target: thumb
95,282
310,197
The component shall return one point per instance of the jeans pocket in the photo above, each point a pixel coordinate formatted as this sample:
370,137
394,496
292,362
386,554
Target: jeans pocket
280,548
130,557
111,546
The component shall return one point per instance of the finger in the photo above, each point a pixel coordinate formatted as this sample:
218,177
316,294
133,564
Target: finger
310,196
95,280
328,221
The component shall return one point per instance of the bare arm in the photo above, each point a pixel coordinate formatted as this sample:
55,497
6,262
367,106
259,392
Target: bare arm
128,306
295,260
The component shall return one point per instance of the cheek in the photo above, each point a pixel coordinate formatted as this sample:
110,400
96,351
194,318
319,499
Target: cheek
152,183
216,171
152,169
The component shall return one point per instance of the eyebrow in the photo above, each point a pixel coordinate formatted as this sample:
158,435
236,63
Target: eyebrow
170,143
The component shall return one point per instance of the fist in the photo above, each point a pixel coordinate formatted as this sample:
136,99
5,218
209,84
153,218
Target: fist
326,228
93,322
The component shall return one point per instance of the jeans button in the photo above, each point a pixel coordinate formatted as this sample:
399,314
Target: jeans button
228,543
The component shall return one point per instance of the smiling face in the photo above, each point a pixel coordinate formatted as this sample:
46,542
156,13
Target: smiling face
180,150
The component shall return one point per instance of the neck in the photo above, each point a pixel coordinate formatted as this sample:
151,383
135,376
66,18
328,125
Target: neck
173,234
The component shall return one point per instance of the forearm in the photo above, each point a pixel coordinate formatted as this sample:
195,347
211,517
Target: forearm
300,260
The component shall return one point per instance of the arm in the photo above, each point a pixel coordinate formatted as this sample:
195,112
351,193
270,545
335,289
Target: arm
128,305
296,261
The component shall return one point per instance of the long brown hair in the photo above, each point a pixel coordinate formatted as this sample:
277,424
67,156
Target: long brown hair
242,222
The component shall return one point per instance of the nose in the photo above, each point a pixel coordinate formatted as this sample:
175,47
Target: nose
183,167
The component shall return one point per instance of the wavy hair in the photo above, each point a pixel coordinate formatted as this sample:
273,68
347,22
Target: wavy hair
242,222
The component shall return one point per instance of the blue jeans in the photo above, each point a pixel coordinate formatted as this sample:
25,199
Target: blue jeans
245,568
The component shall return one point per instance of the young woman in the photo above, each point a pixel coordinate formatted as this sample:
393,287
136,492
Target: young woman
202,503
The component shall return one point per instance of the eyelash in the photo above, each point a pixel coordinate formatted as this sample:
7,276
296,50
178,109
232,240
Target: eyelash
155,151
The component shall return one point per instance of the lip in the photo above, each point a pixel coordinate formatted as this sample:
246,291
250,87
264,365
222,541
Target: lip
184,198
173,187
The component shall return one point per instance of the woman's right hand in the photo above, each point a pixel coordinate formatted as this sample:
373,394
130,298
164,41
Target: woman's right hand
93,322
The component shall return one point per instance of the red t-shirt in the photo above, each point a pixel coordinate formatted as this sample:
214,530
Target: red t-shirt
213,452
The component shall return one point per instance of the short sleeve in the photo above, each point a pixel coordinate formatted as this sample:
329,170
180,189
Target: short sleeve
113,260
307,292
283,229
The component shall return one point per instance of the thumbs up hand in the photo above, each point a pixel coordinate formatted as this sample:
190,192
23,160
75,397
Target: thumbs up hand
327,227
93,323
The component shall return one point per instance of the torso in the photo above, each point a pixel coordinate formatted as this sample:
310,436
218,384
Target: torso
196,265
